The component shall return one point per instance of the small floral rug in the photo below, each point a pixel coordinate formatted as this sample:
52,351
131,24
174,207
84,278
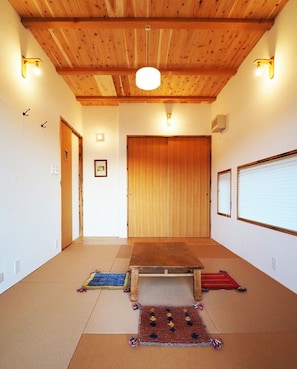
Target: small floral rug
172,326
106,280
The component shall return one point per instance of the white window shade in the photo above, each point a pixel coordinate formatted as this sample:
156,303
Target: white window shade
224,193
267,192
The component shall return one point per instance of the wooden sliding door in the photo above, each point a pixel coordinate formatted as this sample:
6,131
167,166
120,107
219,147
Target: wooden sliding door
168,186
189,182
148,186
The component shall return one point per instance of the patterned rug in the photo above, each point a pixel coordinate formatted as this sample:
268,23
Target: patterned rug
106,280
172,326
218,281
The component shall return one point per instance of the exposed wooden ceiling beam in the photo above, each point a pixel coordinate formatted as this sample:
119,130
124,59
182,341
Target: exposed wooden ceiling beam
157,23
126,71
113,100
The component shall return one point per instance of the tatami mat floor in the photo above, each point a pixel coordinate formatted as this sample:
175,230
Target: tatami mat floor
46,324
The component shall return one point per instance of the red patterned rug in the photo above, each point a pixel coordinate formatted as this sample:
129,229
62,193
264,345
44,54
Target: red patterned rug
218,281
172,326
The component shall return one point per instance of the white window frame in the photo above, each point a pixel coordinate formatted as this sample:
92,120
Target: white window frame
224,193
267,192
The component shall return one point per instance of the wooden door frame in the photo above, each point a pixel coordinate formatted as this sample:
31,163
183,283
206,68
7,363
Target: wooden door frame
80,173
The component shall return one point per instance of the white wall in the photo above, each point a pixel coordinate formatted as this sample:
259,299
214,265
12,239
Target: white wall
30,224
101,194
105,199
262,121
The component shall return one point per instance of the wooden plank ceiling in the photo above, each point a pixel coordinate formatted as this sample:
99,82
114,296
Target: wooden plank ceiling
98,45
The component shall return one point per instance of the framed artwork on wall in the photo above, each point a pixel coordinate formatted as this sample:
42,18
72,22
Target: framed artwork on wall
100,168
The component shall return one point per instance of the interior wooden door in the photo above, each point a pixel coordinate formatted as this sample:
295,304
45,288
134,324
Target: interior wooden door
66,184
168,186
147,186
189,186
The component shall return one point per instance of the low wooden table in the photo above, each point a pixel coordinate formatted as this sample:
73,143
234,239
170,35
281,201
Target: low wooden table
164,259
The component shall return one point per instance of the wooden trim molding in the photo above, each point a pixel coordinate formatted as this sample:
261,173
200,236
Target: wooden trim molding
85,100
130,71
158,23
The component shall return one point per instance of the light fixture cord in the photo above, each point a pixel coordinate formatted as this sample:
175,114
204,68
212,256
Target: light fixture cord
147,29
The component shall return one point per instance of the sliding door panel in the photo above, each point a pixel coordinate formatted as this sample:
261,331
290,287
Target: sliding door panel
147,187
189,171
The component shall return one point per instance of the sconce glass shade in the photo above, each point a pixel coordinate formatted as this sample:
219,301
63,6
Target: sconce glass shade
169,119
148,78
37,70
259,70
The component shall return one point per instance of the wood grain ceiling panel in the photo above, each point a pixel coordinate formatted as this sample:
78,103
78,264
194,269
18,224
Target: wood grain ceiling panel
83,85
97,45
264,9
106,85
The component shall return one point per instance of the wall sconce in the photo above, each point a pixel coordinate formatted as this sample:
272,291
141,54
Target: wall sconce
169,119
35,61
259,64
99,137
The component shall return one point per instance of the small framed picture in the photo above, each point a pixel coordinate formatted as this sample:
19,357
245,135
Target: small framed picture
100,168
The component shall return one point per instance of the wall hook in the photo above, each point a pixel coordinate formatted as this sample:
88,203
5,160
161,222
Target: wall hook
43,125
25,113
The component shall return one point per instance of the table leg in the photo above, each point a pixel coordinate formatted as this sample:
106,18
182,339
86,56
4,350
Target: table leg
197,284
134,284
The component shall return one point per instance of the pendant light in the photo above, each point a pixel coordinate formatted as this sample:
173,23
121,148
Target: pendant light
148,78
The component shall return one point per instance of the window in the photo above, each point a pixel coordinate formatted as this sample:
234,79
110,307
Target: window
267,192
224,193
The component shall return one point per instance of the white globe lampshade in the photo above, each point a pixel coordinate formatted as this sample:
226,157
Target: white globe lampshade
148,78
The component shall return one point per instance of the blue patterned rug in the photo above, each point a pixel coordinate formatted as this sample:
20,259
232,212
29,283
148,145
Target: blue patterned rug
106,280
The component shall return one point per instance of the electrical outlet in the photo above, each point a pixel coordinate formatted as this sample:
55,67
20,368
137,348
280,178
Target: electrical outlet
1,277
54,170
17,266
273,262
